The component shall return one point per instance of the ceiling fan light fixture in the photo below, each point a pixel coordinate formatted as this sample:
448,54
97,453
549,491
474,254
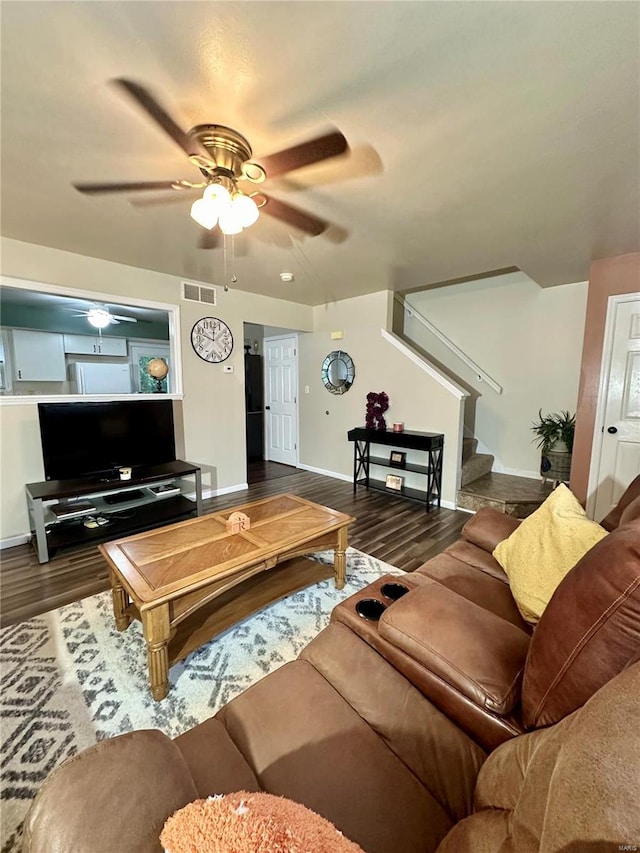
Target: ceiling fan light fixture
205,212
98,317
245,208
217,194
230,222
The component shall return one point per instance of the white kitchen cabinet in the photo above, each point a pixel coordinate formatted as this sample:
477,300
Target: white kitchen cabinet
38,356
95,345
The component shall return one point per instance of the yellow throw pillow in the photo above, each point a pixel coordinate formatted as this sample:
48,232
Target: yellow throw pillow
545,546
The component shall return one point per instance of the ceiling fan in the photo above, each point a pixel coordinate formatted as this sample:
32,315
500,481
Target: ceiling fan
224,158
100,317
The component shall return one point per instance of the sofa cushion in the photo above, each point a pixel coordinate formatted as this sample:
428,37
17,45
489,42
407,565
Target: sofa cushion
478,586
631,512
488,527
478,653
588,632
304,742
228,773
612,519
544,548
432,747
116,795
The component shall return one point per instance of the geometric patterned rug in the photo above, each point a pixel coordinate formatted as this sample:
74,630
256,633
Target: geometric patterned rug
69,679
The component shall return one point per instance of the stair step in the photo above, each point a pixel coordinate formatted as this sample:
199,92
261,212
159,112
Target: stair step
476,466
516,496
469,447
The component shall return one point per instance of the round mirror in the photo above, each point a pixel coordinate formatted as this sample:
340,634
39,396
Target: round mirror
338,372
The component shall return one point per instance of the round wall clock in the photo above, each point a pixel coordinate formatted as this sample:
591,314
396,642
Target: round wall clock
212,340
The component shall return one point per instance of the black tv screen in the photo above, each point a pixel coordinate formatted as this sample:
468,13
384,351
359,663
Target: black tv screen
94,439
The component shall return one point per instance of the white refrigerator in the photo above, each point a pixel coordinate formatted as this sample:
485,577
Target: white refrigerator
90,377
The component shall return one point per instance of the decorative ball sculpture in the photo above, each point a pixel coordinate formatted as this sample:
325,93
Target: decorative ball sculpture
377,405
158,369
251,823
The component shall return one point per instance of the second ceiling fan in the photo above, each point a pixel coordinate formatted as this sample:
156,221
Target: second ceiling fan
224,158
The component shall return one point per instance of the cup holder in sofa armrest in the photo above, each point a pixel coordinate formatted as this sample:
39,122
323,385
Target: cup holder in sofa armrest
370,609
475,651
394,591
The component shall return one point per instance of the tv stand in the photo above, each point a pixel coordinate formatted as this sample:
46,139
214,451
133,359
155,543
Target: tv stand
60,511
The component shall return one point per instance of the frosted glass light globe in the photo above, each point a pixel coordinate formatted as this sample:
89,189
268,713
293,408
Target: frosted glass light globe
246,208
230,221
218,195
204,213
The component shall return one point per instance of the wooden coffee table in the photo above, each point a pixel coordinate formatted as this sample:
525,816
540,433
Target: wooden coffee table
182,581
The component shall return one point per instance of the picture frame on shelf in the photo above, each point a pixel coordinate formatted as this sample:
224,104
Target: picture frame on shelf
394,482
397,459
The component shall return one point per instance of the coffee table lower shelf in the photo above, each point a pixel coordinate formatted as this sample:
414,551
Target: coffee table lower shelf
238,603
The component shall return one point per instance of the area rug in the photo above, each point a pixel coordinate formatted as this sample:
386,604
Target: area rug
69,679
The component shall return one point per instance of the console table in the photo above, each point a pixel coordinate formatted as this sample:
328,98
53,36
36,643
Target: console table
431,443
135,505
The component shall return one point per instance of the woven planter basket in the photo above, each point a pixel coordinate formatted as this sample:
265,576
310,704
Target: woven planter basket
555,465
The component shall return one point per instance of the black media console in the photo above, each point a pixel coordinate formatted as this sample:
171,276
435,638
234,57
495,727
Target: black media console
76,512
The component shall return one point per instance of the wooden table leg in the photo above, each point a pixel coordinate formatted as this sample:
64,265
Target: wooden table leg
155,626
120,602
340,558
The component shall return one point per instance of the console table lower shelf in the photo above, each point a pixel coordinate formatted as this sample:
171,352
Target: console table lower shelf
429,443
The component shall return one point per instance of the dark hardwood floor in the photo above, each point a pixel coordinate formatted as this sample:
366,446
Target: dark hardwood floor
397,531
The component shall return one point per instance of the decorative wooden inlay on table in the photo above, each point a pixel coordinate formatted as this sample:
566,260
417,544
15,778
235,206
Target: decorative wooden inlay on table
164,575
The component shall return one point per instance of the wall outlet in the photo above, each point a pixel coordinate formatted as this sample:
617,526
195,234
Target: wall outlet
228,368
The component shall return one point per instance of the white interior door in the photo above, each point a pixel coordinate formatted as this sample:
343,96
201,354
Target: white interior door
619,410
281,399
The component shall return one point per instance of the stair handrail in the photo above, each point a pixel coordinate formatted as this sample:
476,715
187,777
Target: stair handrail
481,374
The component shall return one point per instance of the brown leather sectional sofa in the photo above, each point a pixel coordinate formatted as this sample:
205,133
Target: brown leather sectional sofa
446,724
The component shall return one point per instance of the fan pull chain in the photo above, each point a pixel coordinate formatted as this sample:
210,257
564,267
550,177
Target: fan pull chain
234,277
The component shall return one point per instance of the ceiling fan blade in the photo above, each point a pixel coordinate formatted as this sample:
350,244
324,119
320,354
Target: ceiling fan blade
300,219
113,321
149,104
211,239
137,186
313,151
118,317
157,200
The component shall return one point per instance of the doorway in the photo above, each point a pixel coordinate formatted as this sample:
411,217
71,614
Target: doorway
281,399
264,461
616,449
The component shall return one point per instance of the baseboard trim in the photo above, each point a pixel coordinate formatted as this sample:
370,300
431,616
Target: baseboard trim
215,493
448,504
516,472
13,541
346,477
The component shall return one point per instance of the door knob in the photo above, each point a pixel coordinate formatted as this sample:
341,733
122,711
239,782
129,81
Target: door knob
268,408
613,430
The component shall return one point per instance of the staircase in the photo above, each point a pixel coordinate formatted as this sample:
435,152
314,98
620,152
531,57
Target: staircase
480,486
474,465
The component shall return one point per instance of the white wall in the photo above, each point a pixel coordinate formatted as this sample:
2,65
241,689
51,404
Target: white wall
213,404
527,338
415,398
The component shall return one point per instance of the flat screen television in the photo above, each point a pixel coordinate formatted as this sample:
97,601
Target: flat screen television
93,440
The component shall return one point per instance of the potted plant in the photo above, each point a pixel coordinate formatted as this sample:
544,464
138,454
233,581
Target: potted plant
554,434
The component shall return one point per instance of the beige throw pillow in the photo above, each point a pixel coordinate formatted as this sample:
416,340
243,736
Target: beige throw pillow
545,546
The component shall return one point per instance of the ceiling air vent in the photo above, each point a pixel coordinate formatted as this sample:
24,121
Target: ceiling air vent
193,292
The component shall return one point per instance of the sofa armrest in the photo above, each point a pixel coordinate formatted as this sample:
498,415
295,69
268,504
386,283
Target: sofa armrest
111,797
476,652
488,527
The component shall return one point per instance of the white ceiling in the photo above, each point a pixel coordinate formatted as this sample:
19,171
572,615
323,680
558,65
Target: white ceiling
484,135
